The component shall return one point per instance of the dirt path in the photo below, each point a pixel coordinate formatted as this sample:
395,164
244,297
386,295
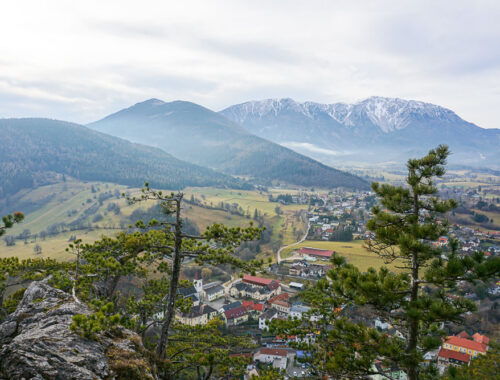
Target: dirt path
293,244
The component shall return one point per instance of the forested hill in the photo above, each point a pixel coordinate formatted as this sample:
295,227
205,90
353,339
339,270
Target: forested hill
40,151
199,135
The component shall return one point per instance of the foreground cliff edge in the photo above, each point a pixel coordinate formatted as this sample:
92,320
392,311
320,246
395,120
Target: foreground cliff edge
36,342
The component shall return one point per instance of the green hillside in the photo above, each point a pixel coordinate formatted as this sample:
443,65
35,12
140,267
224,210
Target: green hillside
199,135
35,152
88,210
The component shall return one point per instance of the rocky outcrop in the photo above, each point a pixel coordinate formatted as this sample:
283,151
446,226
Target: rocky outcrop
36,342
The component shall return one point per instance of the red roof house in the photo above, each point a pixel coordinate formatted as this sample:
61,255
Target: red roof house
466,343
259,307
254,280
260,281
323,253
248,303
280,297
449,355
273,351
464,335
236,312
254,306
481,339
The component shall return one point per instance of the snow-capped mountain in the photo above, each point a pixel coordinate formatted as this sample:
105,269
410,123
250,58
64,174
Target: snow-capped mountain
388,114
376,128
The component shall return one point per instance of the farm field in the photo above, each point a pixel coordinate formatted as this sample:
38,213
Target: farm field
467,220
283,224
490,214
249,200
67,202
453,178
53,247
353,252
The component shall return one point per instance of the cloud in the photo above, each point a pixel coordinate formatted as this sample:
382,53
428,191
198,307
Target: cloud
311,148
82,60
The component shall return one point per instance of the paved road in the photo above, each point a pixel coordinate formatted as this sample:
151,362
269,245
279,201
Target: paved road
291,245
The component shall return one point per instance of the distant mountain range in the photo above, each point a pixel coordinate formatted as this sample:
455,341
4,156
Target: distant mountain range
374,130
201,136
35,152
243,140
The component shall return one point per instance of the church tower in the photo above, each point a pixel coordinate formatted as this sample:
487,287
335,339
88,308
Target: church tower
198,284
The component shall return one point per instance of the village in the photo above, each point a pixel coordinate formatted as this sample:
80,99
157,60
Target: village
248,304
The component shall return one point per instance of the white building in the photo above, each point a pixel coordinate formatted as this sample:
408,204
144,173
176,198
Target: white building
381,325
296,311
214,292
276,356
296,285
267,317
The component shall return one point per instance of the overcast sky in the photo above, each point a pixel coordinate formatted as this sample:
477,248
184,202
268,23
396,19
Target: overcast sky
82,60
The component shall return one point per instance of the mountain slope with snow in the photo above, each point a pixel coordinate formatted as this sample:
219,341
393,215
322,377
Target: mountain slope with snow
376,128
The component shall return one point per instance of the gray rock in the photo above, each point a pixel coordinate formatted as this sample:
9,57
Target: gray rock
36,342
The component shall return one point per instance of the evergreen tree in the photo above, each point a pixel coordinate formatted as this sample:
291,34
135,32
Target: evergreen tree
15,273
160,246
206,352
8,221
416,301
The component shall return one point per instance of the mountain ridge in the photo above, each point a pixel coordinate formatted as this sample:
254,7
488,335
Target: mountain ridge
196,134
341,111
35,151
375,124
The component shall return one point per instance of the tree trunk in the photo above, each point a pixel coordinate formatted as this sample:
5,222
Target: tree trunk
112,286
141,326
413,323
174,282
411,347
209,374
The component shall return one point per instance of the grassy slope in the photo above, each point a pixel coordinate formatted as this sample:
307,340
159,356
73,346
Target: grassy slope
352,251
73,195
492,215
251,200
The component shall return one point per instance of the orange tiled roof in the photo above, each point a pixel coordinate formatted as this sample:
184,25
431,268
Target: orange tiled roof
464,335
273,351
257,280
450,354
481,339
466,343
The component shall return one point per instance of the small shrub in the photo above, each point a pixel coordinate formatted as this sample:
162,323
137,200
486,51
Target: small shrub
103,320
10,304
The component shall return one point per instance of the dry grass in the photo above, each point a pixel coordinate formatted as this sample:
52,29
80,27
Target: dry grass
353,252
78,196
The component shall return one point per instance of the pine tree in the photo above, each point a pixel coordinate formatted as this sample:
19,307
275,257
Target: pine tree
215,246
207,352
160,246
8,221
415,301
15,272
